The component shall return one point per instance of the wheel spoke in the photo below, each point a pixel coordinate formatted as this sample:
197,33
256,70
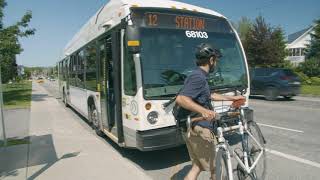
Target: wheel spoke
254,151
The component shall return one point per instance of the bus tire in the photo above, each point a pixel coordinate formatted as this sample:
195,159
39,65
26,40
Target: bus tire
65,102
94,119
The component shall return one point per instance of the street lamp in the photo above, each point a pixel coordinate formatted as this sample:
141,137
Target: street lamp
1,112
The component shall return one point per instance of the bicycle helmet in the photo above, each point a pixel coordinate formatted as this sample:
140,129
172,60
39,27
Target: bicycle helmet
206,51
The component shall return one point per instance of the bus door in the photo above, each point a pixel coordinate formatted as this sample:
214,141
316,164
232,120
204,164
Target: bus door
110,81
107,86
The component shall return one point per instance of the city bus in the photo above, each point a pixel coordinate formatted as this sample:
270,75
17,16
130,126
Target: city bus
132,56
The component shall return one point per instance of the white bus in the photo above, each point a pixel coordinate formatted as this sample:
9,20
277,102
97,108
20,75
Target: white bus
133,55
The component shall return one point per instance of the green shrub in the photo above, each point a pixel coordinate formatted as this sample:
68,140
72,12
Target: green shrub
315,81
311,67
303,78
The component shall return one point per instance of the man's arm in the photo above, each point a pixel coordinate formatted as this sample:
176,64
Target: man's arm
187,103
219,97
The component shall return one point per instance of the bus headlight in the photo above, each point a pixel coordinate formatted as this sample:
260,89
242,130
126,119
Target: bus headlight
153,117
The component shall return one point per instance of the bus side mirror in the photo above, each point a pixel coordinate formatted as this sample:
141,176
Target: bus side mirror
132,40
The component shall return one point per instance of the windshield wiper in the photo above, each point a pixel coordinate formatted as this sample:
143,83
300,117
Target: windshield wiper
162,96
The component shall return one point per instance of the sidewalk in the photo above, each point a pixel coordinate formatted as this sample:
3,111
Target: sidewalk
60,148
17,123
307,98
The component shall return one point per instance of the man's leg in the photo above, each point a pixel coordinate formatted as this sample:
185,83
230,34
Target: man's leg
213,175
206,150
195,169
213,158
193,173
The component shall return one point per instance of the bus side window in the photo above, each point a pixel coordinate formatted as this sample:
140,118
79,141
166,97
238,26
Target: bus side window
80,70
60,70
63,70
91,67
130,84
73,71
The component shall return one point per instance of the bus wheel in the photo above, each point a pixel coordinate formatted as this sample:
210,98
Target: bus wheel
65,102
94,119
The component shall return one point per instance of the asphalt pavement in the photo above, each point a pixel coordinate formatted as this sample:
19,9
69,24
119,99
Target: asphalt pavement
292,131
291,128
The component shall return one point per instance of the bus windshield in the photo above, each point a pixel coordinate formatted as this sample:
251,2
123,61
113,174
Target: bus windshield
167,50
167,58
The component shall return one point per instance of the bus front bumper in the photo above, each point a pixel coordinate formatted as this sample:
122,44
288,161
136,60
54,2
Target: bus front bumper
158,139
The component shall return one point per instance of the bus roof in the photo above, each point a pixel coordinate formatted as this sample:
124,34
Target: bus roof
111,14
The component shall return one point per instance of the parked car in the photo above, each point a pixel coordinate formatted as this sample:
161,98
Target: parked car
274,82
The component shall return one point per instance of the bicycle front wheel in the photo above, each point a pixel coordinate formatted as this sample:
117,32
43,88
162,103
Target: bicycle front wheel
222,171
256,148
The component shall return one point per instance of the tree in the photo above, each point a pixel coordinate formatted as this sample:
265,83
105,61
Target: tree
27,72
243,27
313,49
310,67
278,48
265,45
9,42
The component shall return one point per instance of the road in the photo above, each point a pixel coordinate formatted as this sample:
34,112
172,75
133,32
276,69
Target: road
291,128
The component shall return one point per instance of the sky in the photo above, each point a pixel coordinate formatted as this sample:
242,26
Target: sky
56,21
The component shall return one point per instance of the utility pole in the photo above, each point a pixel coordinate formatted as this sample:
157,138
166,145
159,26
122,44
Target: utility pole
1,116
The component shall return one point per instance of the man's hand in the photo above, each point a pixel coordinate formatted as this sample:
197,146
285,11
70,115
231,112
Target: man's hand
238,101
208,114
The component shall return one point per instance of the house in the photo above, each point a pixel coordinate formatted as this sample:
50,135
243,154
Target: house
297,43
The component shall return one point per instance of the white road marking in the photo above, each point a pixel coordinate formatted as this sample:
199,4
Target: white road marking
294,158
278,127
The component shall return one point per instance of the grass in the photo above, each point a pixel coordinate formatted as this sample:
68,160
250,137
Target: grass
17,95
310,90
13,142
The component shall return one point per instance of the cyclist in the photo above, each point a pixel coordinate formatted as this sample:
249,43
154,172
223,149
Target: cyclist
196,97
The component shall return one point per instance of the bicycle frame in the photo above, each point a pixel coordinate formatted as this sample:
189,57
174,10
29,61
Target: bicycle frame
223,144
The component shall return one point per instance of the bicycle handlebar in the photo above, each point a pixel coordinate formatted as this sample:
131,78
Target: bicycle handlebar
219,116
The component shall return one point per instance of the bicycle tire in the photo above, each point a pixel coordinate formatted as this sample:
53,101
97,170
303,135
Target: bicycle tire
259,172
221,165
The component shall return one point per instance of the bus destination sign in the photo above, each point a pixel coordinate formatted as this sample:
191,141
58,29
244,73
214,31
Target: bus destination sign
187,21
175,21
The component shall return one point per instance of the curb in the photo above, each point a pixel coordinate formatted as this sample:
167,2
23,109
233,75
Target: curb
309,95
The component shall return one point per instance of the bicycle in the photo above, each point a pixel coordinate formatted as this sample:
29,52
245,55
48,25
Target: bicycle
252,142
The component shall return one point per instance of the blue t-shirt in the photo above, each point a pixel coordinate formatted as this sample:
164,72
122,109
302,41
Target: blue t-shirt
197,88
